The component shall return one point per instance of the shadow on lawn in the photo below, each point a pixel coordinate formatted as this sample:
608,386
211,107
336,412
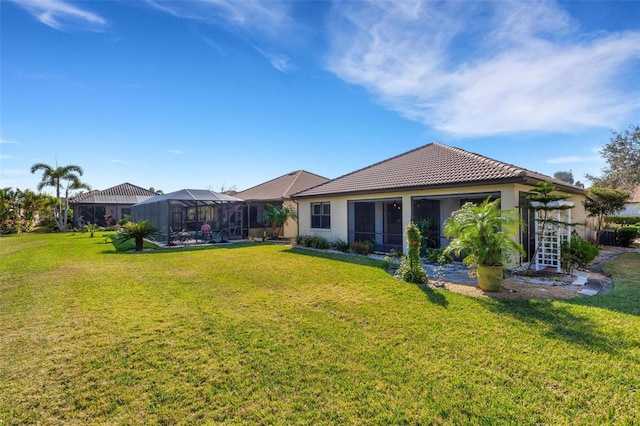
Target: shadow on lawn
342,257
432,295
435,297
558,321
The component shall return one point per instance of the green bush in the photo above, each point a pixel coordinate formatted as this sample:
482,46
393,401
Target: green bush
436,255
362,247
313,241
625,235
341,245
622,220
395,254
576,253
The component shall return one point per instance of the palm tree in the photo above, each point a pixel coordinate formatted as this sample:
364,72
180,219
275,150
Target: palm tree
278,217
137,231
31,205
55,178
8,204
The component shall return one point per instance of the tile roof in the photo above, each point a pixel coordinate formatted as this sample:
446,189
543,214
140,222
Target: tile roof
282,187
124,193
430,166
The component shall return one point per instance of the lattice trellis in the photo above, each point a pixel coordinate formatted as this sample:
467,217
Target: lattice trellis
556,230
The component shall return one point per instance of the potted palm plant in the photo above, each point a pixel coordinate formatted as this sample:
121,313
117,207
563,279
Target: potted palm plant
483,235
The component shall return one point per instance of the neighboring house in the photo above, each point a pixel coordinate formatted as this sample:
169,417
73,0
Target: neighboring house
632,206
276,192
377,202
110,204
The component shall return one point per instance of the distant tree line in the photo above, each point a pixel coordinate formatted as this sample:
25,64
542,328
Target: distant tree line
612,189
622,154
23,210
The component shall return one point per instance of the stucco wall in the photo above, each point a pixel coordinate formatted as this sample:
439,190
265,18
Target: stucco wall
449,202
290,228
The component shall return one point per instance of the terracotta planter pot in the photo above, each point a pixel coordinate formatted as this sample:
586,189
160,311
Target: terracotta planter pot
490,277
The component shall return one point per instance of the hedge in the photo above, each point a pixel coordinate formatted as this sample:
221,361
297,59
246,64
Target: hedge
623,220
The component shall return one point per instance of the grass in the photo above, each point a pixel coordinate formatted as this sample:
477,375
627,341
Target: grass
266,334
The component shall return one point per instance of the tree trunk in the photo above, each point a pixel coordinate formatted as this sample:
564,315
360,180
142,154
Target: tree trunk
139,243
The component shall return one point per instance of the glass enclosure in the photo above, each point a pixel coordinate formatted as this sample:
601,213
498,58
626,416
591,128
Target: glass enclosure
185,212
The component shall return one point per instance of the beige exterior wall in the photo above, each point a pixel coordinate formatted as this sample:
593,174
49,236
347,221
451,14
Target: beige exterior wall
449,202
290,228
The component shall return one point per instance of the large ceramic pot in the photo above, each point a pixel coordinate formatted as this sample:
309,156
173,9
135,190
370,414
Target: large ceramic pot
490,277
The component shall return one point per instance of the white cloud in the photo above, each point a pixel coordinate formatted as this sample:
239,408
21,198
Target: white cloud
262,21
3,141
268,18
119,161
62,15
280,62
175,151
485,68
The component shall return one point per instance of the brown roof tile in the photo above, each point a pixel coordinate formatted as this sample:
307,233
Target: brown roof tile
282,187
124,193
432,165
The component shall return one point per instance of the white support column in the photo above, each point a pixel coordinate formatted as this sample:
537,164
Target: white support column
407,208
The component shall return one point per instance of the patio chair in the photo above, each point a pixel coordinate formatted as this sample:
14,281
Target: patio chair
205,232
221,236
172,235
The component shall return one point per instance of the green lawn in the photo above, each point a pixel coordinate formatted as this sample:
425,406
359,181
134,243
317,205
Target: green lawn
266,334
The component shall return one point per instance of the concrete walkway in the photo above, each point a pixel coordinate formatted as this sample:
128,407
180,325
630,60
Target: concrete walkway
593,280
598,281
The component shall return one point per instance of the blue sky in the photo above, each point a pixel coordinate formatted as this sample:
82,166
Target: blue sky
218,94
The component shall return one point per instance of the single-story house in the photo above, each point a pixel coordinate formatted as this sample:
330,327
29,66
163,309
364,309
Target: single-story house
276,192
107,206
632,206
377,202
187,210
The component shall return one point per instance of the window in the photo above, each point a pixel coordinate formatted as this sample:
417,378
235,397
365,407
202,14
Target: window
321,215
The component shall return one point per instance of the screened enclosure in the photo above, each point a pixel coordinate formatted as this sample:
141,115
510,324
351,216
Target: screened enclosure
182,214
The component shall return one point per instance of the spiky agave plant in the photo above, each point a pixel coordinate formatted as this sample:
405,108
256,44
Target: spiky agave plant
138,231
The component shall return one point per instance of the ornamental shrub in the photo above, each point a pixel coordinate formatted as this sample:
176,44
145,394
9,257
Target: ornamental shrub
577,253
313,241
363,247
626,235
622,220
341,245
436,255
411,269
137,231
